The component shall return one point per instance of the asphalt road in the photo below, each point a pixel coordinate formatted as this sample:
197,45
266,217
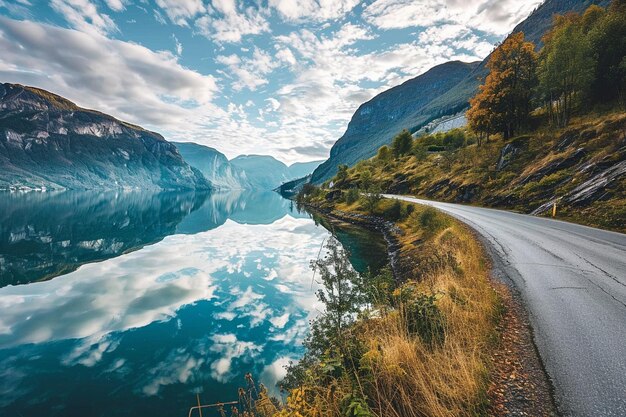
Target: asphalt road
572,280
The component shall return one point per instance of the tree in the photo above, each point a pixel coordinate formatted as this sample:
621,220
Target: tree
341,290
503,102
384,153
607,40
565,67
342,172
366,179
372,198
402,143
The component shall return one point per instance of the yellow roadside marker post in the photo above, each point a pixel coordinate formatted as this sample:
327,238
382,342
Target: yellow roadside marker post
554,209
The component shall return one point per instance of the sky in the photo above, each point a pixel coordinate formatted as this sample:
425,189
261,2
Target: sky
274,77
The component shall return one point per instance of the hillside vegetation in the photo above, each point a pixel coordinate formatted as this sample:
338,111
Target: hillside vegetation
441,92
416,345
545,128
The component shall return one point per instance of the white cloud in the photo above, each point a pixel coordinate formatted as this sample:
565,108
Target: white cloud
317,10
124,79
227,22
181,11
250,72
84,16
230,348
178,45
116,5
495,16
280,321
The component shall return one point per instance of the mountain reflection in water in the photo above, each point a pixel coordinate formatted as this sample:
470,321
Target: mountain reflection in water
154,297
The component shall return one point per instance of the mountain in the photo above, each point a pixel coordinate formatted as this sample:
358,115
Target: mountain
442,91
214,166
44,235
378,120
302,169
46,141
267,173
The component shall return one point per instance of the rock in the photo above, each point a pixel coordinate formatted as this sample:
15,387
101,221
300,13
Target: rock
467,193
556,165
595,188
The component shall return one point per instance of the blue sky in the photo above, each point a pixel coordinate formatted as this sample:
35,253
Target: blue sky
278,77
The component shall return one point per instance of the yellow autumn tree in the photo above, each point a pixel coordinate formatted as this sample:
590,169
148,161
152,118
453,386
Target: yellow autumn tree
503,103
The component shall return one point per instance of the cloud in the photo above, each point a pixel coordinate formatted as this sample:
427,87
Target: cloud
317,10
181,11
249,72
84,16
229,23
178,45
124,79
494,16
116,5
230,348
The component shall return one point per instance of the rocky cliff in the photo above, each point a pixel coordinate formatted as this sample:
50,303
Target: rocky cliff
47,141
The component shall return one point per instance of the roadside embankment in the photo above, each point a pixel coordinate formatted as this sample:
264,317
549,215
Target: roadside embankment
443,339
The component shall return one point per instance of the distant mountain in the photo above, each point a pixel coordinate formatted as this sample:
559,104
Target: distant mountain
48,141
444,90
267,173
214,166
302,169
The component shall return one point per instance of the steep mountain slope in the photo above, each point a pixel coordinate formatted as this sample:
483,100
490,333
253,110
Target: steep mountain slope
302,169
361,142
266,172
581,168
46,141
534,27
214,166
376,121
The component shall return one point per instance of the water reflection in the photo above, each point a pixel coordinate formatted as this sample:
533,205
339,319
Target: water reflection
44,235
226,289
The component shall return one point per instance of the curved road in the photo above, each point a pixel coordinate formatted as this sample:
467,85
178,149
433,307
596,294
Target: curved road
572,280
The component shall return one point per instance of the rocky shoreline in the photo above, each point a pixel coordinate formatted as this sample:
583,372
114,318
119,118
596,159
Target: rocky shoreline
387,229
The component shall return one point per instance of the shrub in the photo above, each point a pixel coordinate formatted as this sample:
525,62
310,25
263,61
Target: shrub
424,319
454,139
352,195
432,221
393,212
436,148
420,152
371,199
384,154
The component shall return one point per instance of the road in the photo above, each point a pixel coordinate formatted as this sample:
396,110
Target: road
572,280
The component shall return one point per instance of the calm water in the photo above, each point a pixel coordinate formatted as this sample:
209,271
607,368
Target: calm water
127,304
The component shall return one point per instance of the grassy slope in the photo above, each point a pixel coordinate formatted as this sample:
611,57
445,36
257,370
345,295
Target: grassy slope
401,374
547,165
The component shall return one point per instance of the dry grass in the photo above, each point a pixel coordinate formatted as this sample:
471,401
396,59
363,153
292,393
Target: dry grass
401,374
410,377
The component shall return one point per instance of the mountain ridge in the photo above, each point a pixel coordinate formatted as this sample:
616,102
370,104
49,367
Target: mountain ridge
450,101
49,142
